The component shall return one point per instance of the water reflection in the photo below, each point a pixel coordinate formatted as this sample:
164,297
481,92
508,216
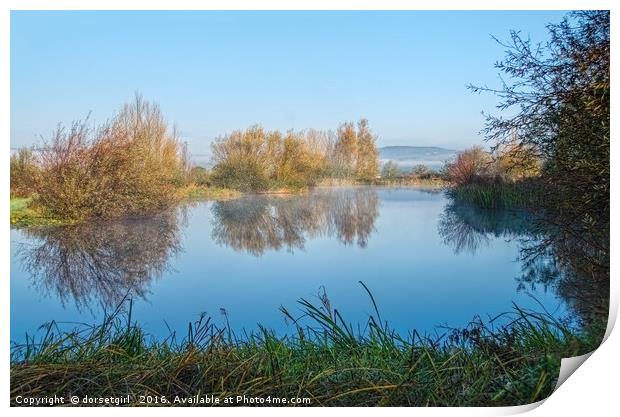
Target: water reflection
549,261
466,229
260,223
101,261
583,282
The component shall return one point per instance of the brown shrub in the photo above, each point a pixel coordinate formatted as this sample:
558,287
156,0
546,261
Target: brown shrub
256,159
130,165
514,161
23,172
470,165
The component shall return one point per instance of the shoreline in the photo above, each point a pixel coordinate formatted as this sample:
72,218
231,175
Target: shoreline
24,214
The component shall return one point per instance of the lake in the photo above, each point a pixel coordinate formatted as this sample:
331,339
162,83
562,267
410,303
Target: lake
429,263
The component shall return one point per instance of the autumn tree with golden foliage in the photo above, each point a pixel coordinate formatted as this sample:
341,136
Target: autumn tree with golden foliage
367,164
255,159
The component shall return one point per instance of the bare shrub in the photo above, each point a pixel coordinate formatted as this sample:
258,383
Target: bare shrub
391,171
514,161
23,172
470,165
129,165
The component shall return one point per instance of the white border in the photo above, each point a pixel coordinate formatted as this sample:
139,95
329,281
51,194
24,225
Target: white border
593,387
308,5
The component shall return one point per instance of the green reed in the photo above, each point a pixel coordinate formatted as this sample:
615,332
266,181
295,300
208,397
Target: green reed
498,195
325,360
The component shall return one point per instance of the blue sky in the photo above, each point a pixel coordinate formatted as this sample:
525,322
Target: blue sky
212,72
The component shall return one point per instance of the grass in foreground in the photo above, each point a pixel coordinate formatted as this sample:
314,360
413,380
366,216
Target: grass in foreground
324,361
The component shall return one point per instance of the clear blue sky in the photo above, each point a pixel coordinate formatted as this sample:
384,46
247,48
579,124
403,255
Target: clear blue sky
212,72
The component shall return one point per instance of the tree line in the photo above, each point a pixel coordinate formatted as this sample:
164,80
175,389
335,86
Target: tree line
136,163
256,159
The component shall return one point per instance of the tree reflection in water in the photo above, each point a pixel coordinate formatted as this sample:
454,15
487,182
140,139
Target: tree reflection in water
101,261
256,224
577,273
583,282
466,228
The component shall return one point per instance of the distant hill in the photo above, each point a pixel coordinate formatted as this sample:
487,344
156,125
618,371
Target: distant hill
405,156
409,156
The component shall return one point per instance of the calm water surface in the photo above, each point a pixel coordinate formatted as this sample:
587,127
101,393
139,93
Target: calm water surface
427,262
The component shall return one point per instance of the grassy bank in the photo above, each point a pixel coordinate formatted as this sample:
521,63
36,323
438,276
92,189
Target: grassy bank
324,361
197,192
521,195
25,213
434,182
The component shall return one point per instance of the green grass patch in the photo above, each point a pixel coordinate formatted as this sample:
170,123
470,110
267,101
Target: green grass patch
201,192
325,360
20,203
433,182
25,212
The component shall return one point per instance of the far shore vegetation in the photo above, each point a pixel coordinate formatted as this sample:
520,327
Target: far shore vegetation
550,157
136,164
